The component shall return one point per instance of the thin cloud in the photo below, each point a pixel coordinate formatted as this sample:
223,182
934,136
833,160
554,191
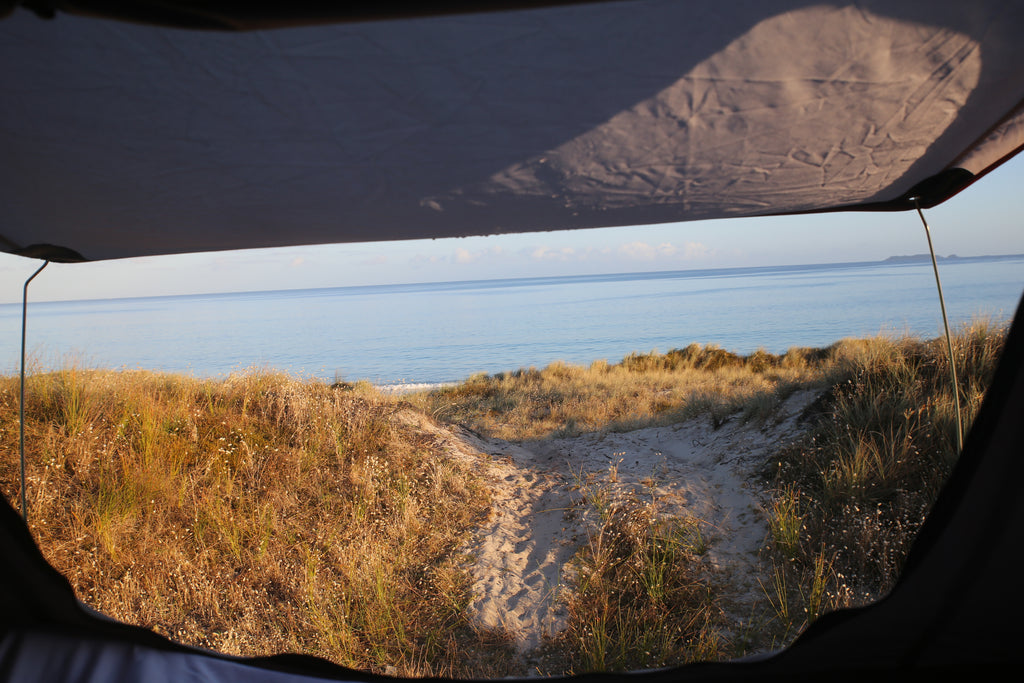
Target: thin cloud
419,259
463,255
638,251
697,250
666,251
548,254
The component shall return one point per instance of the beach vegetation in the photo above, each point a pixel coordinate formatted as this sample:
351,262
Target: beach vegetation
851,494
642,390
259,513
254,515
640,596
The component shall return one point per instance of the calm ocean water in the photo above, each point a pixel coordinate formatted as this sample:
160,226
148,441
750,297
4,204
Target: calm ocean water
441,332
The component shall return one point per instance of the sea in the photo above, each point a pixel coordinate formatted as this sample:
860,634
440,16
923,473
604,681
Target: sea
432,333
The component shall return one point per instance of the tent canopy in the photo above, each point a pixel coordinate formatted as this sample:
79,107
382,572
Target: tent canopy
123,139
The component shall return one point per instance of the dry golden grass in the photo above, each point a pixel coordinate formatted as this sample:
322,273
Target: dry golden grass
641,597
853,493
641,391
254,515
262,514
850,497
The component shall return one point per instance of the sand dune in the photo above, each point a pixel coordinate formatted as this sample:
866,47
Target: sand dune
539,518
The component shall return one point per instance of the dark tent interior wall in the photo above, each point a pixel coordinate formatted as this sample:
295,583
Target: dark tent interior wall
125,138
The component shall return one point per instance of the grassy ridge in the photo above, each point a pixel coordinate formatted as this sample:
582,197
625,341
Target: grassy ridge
263,514
255,515
643,390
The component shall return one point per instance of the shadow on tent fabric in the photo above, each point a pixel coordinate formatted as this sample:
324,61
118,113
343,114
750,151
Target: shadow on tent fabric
956,608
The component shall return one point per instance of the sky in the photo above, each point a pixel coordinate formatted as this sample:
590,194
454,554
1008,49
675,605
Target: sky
982,220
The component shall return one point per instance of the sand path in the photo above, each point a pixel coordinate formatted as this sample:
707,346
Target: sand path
538,518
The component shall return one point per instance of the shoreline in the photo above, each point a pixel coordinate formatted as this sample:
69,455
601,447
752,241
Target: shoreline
411,387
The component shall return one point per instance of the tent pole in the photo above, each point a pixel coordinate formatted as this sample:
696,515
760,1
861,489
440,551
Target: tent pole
945,324
21,401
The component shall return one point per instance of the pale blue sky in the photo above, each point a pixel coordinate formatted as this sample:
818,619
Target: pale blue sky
984,219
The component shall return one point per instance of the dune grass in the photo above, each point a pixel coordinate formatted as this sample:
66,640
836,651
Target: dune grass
847,500
852,494
261,514
643,390
640,597
254,515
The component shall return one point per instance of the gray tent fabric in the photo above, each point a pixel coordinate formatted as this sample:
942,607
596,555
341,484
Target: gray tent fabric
125,140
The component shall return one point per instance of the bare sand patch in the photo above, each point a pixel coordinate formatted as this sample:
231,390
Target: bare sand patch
539,517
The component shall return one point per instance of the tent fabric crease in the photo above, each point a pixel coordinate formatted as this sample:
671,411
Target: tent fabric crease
130,140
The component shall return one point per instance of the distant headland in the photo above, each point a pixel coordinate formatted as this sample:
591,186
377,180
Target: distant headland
918,258
915,258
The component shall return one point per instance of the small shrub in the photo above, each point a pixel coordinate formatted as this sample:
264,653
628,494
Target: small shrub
641,599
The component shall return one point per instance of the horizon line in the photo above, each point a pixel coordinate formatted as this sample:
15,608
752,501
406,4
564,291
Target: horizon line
906,259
